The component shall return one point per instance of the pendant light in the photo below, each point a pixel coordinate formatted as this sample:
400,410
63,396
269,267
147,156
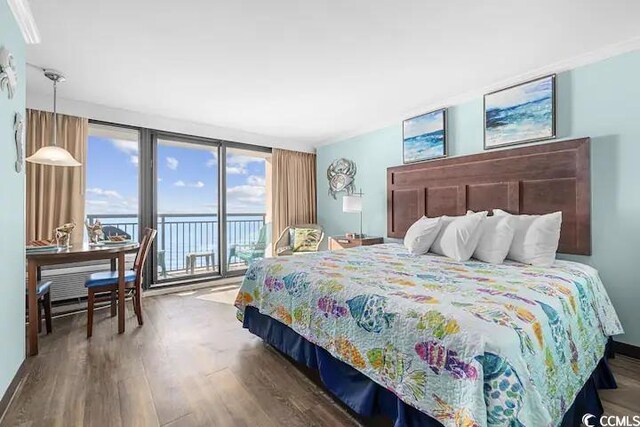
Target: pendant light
53,155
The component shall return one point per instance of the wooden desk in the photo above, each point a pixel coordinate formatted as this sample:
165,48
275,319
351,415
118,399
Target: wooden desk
341,242
35,260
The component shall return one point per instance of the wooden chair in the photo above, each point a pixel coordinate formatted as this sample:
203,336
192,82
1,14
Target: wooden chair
107,282
43,293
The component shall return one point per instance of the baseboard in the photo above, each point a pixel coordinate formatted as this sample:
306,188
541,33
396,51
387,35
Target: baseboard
626,349
14,386
173,289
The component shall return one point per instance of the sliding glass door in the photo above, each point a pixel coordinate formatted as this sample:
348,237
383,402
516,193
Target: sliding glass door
210,200
112,176
187,219
248,206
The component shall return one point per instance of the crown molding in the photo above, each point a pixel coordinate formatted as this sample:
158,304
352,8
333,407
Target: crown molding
25,20
39,101
556,67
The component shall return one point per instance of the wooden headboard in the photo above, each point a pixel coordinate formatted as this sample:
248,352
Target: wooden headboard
531,180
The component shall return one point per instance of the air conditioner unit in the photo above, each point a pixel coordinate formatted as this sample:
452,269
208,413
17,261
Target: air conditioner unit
68,281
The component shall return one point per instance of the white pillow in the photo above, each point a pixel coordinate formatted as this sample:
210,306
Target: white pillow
495,238
459,236
536,237
421,234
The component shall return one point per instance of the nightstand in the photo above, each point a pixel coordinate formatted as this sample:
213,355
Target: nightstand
342,242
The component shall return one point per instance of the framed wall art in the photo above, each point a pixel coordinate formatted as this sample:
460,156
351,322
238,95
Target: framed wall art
424,137
522,113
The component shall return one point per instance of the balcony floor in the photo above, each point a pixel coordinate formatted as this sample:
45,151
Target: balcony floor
198,271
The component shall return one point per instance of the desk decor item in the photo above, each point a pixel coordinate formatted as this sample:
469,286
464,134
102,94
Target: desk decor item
63,234
424,137
94,231
8,73
341,175
41,246
353,204
522,113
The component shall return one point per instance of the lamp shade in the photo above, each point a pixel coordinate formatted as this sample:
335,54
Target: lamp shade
53,156
352,204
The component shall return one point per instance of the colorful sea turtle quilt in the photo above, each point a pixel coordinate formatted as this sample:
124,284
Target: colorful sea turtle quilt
468,343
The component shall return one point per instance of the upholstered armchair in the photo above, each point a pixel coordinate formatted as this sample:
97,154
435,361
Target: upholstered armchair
299,239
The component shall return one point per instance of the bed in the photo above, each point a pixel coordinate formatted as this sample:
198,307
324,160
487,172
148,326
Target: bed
431,341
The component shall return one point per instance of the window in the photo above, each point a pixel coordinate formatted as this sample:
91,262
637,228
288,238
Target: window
248,176
112,175
145,178
187,200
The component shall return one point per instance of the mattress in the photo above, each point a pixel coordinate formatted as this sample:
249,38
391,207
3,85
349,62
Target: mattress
467,343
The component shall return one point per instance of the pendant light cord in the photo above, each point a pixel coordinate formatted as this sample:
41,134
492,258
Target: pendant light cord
55,114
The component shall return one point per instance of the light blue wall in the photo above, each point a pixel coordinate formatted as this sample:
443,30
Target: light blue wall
600,100
11,213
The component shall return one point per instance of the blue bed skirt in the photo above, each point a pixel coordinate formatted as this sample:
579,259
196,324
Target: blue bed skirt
366,398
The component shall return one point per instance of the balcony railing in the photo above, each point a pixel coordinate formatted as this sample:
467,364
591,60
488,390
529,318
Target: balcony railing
181,234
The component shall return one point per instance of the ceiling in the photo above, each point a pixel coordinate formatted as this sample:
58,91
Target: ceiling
308,71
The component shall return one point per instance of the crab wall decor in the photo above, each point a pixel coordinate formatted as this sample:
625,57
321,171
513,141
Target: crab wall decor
8,73
341,175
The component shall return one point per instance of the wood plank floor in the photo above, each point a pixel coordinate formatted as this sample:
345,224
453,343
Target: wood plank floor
191,364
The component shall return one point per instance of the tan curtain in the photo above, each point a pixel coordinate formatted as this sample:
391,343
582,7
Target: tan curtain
294,189
55,194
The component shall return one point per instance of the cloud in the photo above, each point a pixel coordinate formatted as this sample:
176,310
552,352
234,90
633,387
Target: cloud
97,203
113,206
237,164
127,147
236,170
255,180
240,159
181,183
172,163
104,193
213,161
246,197
210,207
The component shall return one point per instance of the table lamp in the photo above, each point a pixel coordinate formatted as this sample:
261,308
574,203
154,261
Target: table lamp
353,204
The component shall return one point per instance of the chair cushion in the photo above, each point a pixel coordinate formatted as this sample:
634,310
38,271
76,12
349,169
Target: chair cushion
105,278
304,239
42,287
250,252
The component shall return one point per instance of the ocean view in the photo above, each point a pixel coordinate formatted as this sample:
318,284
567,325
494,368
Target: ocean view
530,120
180,234
425,146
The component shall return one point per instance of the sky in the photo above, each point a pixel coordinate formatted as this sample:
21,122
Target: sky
522,94
426,123
187,179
